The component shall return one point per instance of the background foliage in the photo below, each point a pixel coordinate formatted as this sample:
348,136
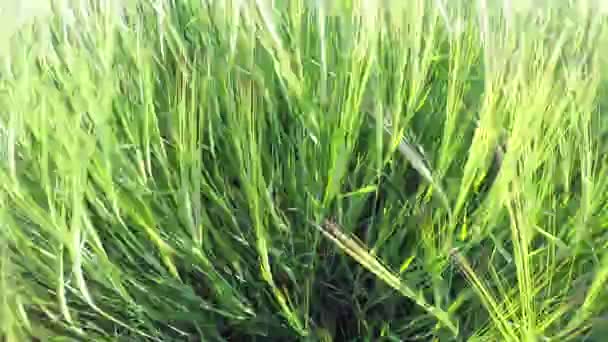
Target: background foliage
291,170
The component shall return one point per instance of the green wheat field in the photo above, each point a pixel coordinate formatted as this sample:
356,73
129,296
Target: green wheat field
300,170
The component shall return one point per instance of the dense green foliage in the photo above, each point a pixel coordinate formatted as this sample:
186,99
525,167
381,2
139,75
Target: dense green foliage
300,170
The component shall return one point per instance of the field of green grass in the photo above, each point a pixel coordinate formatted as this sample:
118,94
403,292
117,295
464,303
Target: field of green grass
300,170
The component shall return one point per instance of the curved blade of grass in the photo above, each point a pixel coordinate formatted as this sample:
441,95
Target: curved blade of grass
360,253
